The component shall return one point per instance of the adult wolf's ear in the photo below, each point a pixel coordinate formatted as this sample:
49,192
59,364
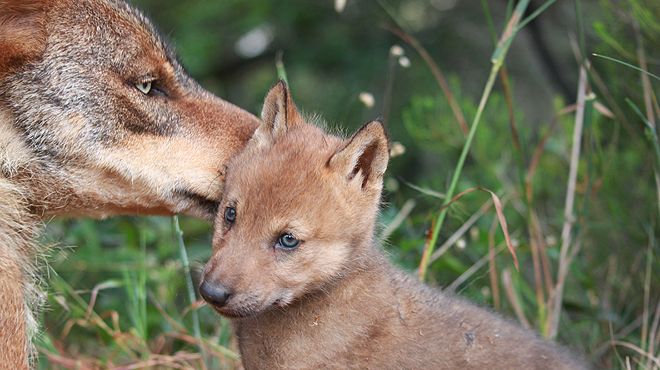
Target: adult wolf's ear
22,32
278,114
364,158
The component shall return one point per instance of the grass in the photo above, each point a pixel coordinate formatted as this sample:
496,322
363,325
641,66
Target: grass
498,60
576,194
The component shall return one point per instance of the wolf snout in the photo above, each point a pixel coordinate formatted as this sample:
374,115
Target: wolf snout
215,294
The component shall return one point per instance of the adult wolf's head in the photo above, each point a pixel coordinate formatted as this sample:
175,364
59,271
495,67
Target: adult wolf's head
97,115
297,213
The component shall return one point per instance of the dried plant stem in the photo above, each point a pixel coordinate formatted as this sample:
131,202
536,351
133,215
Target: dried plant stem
654,330
569,216
508,96
513,298
537,249
492,266
648,99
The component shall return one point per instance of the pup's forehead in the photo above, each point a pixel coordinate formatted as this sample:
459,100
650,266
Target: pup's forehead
293,167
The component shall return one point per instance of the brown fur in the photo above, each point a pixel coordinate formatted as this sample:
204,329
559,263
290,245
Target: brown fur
335,301
77,137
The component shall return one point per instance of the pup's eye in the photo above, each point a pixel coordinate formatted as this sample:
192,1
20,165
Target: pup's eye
230,214
144,87
288,241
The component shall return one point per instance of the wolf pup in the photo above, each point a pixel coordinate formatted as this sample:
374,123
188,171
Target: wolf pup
97,118
296,267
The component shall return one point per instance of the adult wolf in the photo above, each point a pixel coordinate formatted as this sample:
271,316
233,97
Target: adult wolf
97,118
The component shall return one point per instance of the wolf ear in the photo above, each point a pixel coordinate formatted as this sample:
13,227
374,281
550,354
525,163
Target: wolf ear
364,157
22,32
278,114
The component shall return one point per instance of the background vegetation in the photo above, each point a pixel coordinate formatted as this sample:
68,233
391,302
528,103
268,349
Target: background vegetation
118,295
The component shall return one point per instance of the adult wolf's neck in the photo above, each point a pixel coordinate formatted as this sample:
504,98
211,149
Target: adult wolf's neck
19,293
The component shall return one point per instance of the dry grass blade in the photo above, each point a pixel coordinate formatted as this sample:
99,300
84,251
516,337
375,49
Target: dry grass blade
492,266
94,295
649,356
569,217
654,329
66,362
505,229
180,360
535,240
513,298
648,99
216,349
506,87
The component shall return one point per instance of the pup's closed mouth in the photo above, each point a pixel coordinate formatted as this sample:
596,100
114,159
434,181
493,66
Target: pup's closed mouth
246,307
234,313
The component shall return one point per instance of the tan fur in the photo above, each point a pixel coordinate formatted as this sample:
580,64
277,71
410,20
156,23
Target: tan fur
77,137
335,301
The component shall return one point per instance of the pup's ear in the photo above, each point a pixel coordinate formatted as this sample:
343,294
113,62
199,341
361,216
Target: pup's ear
364,158
22,32
278,114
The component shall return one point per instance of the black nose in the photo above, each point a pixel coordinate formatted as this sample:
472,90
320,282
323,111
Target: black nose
215,294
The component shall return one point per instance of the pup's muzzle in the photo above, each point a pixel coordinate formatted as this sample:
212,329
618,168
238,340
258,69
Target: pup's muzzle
215,294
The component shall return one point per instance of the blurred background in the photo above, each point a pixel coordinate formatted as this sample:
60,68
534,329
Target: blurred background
118,295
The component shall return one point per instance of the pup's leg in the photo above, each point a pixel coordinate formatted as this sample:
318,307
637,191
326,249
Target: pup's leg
13,336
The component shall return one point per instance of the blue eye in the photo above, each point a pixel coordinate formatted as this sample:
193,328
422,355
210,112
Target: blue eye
230,214
288,241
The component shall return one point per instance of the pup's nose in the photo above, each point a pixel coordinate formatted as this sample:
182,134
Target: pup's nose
215,294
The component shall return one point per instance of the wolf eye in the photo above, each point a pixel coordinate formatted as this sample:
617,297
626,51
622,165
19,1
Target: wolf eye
144,87
230,214
288,241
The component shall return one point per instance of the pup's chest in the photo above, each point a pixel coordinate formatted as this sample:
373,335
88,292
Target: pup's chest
314,342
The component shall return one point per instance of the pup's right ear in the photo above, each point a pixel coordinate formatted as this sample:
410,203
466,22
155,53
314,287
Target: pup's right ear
364,157
278,114
22,32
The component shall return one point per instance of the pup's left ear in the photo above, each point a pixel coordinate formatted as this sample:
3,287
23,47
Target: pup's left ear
278,114
364,158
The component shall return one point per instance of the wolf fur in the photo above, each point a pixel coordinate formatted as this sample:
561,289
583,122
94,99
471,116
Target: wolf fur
334,300
97,118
